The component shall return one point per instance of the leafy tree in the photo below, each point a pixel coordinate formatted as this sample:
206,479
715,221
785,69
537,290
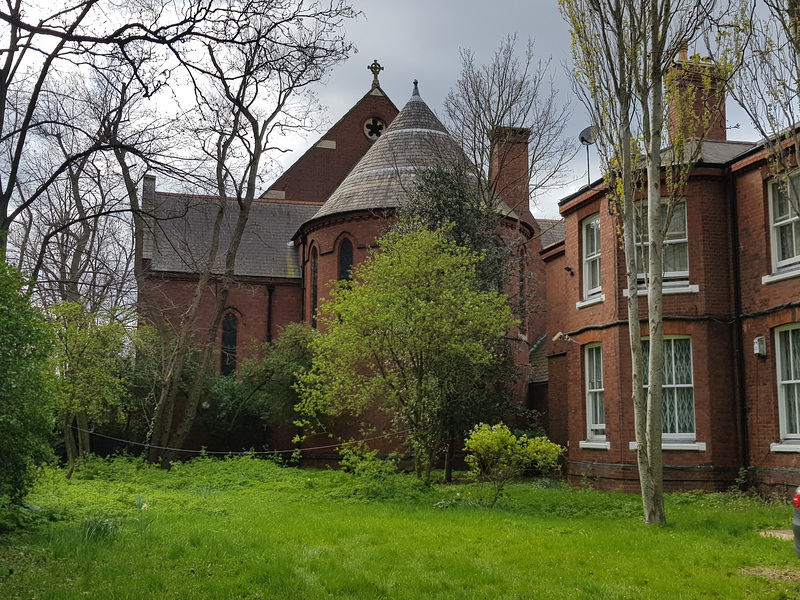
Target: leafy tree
498,456
447,196
88,366
25,387
410,322
263,390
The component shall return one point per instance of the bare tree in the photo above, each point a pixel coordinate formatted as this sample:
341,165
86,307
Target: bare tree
767,87
510,91
508,118
38,46
624,52
251,66
75,240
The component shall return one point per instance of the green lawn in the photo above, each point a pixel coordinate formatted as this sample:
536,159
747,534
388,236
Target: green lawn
246,528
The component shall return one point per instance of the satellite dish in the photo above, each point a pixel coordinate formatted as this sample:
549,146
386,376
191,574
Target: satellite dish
587,136
587,139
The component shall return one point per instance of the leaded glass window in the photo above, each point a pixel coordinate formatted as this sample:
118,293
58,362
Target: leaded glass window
345,259
230,326
314,287
678,386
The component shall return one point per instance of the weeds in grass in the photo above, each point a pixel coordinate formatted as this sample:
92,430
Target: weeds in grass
461,501
145,517
100,528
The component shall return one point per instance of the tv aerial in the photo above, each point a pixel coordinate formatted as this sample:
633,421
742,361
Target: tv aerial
587,138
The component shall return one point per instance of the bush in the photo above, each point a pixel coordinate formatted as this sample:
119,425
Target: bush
498,456
370,477
358,459
25,388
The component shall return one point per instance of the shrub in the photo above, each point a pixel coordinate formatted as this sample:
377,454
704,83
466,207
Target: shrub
498,456
363,462
25,388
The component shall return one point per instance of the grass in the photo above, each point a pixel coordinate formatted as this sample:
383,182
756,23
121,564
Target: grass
249,529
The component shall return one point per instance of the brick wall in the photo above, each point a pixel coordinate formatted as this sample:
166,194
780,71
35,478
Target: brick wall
707,316
315,175
764,306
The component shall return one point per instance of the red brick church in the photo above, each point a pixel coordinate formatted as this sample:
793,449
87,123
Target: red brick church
731,304
322,216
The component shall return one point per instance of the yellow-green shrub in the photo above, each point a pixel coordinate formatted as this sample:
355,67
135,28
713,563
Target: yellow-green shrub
498,456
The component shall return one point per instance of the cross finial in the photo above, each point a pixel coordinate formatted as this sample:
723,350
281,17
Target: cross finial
376,68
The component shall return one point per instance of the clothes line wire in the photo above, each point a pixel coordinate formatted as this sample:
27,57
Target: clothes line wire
231,452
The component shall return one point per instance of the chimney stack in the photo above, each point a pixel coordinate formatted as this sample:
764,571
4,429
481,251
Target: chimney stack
696,94
509,169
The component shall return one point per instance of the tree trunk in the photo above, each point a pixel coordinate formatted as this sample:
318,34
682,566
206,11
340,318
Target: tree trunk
448,459
83,433
651,460
69,443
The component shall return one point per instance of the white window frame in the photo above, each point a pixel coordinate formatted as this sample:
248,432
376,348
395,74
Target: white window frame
675,435
591,256
595,431
788,379
671,238
791,220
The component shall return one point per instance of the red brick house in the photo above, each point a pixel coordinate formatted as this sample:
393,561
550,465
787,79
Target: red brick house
731,325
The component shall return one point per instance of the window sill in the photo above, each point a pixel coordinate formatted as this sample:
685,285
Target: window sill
668,290
590,301
785,446
594,445
772,278
676,445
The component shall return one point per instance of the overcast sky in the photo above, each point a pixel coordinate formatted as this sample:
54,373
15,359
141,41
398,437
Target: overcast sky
421,39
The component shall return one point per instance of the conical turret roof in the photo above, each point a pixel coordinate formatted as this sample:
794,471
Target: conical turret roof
384,177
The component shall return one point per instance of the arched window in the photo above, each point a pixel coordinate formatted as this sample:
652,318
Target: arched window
230,325
314,291
345,259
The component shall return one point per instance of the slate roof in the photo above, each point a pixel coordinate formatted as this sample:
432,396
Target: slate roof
552,231
716,152
180,238
384,176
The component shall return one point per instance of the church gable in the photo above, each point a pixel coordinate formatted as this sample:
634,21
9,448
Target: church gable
316,174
